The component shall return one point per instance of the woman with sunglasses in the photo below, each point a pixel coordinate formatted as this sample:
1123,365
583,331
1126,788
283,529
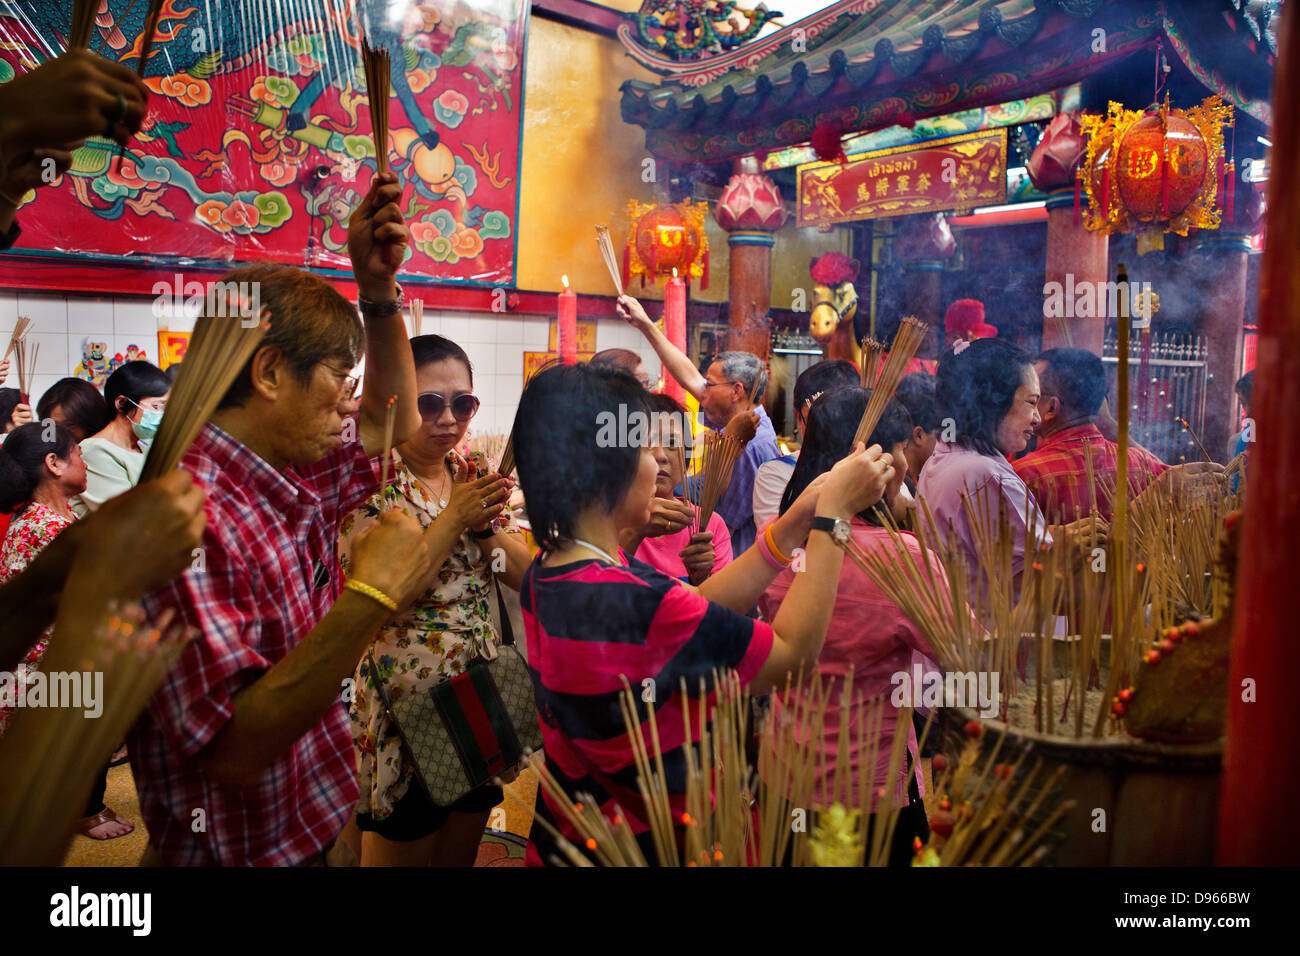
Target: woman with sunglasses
448,626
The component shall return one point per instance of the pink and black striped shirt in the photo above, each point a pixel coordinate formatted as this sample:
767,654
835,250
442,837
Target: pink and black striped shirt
588,625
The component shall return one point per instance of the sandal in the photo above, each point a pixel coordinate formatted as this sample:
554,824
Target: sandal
119,757
85,825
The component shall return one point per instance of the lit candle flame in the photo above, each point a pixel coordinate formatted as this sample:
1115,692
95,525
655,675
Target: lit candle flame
674,272
565,280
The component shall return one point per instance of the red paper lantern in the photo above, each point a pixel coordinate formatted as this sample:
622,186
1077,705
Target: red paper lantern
1162,165
664,238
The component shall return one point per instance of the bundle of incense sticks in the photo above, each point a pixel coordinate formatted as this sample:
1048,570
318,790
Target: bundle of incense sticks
378,76
83,24
606,247
910,335
490,447
25,358
50,756
714,823
20,330
218,351
722,450
872,350
507,464
417,318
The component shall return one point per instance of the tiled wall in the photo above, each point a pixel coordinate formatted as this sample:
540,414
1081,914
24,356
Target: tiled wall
494,342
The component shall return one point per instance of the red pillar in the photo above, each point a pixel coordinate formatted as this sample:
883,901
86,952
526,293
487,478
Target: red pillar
750,209
1221,270
1258,824
1073,250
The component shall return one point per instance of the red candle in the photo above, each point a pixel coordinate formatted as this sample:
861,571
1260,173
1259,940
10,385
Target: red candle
566,331
675,328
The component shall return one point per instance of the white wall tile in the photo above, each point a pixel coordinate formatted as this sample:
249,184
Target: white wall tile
510,360
90,316
51,354
134,317
8,312
49,313
508,329
537,331
40,384
483,358
456,329
479,327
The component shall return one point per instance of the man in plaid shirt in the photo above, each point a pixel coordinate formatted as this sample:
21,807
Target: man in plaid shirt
244,756
1073,387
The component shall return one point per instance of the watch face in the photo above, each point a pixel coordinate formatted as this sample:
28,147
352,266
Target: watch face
841,532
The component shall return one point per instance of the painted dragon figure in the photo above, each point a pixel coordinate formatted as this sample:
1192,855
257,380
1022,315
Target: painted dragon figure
695,29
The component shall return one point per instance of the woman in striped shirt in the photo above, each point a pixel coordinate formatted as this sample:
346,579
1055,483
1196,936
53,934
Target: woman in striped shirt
594,618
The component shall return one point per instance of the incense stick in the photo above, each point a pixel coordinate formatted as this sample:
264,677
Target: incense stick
219,349
153,12
911,333
417,318
606,247
83,24
872,351
378,70
390,415
1199,444
20,330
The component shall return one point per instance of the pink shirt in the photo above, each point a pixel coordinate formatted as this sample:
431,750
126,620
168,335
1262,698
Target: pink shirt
954,472
662,553
870,634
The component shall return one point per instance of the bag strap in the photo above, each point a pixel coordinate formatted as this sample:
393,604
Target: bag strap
507,629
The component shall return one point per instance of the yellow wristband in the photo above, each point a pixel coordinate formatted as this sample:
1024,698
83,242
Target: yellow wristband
373,593
771,543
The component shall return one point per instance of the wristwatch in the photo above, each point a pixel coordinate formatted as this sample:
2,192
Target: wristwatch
380,310
838,528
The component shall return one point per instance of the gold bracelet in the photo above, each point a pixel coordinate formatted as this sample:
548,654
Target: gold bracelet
373,593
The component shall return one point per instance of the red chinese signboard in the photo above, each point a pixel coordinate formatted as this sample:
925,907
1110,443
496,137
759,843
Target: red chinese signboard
956,172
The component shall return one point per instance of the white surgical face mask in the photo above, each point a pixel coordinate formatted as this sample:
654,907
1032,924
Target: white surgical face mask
147,427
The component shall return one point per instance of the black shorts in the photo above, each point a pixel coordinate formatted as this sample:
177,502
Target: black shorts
416,816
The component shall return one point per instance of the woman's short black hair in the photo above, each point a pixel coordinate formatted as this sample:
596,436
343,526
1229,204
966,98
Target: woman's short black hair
428,349
832,422
569,446
26,447
821,377
135,381
83,408
916,393
976,387
10,398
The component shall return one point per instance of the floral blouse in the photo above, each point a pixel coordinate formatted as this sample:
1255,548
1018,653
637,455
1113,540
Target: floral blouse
30,532
431,642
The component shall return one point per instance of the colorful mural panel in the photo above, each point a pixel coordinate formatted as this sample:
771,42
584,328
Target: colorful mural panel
257,144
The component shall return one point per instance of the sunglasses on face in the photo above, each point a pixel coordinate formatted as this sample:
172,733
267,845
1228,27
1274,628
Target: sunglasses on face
463,407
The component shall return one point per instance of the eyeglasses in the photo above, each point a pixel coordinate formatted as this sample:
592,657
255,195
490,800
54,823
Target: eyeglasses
350,388
463,407
708,384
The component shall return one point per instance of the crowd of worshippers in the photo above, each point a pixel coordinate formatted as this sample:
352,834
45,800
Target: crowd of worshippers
314,576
